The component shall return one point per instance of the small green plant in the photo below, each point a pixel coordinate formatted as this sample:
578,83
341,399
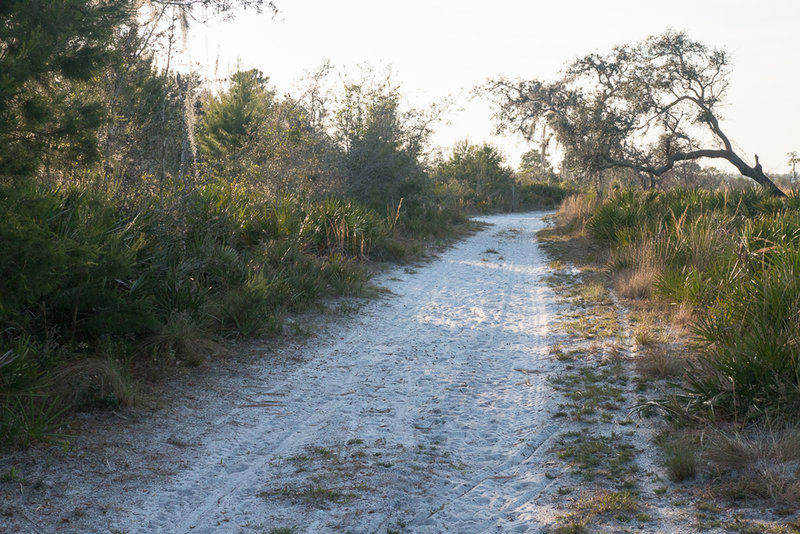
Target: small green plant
321,452
681,458
592,455
590,507
10,476
316,496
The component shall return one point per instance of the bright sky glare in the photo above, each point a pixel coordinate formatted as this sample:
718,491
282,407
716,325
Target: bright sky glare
438,48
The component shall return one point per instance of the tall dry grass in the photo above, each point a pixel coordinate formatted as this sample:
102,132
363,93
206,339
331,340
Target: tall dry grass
763,461
575,211
733,259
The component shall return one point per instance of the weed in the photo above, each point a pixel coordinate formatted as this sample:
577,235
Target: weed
681,458
10,476
398,527
595,455
315,496
322,452
594,292
592,390
29,417
348,308
592,506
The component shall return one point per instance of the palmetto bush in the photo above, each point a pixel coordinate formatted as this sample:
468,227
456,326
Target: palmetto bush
79,268
735,258
341,227
751,334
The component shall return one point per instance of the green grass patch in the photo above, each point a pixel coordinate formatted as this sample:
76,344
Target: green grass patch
592,456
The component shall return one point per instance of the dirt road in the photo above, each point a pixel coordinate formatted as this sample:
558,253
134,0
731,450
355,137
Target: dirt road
429,410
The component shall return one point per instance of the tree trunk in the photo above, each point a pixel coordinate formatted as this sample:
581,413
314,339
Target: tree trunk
757,174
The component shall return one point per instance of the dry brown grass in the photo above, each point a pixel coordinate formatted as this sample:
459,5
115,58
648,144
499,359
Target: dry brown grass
647,323
91,381
660,361
637,282
763,462
575,211
661,346
682,319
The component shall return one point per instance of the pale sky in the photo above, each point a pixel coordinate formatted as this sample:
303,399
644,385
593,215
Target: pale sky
445,47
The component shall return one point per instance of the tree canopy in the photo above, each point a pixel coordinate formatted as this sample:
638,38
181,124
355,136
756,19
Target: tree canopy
479,167
229,119
643,107
47,51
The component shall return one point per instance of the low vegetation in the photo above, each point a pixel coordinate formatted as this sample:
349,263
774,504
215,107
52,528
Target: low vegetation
732,258
709,282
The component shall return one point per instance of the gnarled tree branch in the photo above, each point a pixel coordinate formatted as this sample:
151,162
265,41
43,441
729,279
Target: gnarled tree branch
643,107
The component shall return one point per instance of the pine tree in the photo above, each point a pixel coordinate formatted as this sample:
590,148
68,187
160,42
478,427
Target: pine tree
49,50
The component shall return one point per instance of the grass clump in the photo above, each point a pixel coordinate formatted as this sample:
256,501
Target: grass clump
681,459
575,211
758,462
591,507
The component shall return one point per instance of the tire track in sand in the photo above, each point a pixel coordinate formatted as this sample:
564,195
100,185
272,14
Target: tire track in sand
429,411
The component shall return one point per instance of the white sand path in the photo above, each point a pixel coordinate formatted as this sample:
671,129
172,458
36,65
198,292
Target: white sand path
453,361
428,411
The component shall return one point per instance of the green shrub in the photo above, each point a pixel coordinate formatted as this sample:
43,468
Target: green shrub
25,413
70,262
543,195
83,271
751,364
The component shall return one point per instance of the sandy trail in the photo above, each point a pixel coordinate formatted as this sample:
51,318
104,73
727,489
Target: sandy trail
428,411
435,367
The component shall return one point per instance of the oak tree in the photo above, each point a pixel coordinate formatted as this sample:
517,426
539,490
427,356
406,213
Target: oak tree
644,107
